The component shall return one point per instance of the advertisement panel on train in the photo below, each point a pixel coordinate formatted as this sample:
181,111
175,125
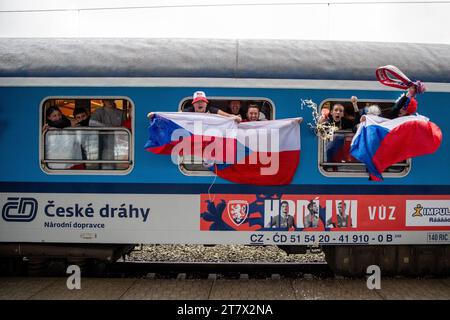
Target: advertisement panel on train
226,218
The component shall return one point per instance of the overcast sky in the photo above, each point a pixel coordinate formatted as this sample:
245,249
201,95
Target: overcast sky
381,20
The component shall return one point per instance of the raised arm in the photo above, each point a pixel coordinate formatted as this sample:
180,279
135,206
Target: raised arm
354,101
226,114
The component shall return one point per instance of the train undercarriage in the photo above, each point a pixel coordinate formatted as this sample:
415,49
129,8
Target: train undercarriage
351,260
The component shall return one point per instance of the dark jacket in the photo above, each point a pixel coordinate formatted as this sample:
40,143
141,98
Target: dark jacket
63,123
343,124
281,221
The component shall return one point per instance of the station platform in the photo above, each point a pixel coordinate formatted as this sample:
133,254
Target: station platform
227,289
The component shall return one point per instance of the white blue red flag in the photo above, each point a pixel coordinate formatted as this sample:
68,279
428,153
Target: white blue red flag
392,76
380,142
259,153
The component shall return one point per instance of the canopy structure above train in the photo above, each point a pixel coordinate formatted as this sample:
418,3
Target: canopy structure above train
209,58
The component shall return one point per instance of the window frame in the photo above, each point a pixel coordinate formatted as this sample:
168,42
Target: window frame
49,171
340,174
209,173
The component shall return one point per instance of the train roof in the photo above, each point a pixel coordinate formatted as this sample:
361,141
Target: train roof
215,58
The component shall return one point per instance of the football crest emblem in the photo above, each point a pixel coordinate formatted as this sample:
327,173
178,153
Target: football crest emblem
237,211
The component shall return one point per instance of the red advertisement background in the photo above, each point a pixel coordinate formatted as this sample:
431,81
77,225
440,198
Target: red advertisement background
364,223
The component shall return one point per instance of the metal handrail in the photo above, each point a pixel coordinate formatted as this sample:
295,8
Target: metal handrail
85,161
89,129
359,164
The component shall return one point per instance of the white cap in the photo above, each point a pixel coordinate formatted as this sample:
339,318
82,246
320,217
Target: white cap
199,96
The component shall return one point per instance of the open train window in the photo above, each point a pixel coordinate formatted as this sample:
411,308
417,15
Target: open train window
86,135
334,156
192,165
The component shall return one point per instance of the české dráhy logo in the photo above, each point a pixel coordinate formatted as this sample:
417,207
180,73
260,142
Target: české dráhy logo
20,209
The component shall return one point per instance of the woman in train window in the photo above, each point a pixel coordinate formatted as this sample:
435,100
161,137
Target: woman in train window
338,150
337,115
55,119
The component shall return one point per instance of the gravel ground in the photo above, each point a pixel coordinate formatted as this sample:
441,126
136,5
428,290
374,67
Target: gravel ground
220,253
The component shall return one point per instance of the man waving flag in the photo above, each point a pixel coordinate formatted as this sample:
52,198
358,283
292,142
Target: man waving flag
381,142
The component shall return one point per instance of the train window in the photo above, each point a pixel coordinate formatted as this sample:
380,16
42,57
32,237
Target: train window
85,136
194,165
334,156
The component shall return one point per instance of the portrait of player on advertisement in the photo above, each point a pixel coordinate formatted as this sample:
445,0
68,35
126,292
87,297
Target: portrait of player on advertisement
312,218
284,219
342,219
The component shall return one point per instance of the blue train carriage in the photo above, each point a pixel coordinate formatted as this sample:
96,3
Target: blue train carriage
90,192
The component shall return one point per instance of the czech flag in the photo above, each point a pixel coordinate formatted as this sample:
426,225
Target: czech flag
380,142
193,131
258,153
